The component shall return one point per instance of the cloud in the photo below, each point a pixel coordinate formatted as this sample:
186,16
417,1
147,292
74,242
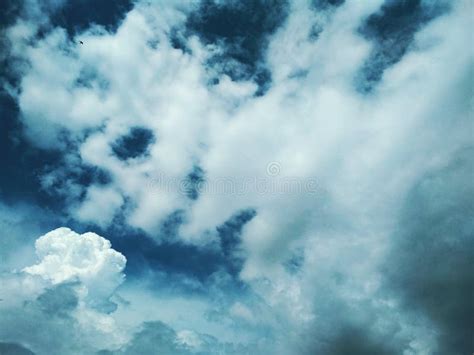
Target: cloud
72,292
66,293
14,349
393,29
440,282
67,256
99,206
168,100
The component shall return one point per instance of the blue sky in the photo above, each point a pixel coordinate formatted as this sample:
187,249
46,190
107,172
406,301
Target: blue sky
236,177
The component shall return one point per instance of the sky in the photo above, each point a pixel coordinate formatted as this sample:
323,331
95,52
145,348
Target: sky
236,177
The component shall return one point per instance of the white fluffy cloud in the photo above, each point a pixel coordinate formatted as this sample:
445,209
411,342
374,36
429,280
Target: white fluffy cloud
88,258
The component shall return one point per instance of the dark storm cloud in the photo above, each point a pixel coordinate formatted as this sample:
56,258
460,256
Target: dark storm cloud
356,341
14,349
352,326
241,30
134,144
431,265
392,29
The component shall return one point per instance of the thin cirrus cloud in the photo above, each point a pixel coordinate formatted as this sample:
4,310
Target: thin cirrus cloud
176,130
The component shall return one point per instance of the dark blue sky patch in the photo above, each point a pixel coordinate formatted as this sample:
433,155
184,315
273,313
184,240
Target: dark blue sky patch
68,183
320,6
393,29
263,78
9,11
229,236
326,4
241,30
86,175
170,227
193,183
77,15
94,175
74,16
145,256
177,39
170,258
314,32
134,144
21,163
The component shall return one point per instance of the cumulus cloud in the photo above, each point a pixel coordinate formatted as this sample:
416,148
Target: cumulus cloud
66,293
66,256
163,103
